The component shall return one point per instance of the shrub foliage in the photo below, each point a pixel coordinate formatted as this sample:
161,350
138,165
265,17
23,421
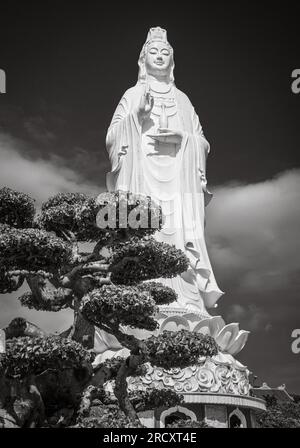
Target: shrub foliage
179,349
30,356
126,305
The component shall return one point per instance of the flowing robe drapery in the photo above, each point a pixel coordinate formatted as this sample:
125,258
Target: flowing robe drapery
175,177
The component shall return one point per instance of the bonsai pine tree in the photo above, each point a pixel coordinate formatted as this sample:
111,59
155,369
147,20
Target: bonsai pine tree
112,285
40,375
279,415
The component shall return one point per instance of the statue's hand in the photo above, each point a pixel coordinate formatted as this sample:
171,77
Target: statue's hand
167,136
145,106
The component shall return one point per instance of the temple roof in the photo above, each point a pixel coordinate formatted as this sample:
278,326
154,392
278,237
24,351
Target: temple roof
279,393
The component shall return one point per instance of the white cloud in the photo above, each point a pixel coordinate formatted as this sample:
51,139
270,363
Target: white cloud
255,317
253,233
37,129
48,321
40,178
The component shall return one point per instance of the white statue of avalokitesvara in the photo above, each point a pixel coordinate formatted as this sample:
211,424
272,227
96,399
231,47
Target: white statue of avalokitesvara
157,147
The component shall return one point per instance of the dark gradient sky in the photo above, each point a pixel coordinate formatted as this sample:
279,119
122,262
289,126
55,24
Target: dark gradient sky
67,65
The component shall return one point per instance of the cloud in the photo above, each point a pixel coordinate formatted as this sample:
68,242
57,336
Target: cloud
256,318
37,129
38,177
253,240
253,234
48,321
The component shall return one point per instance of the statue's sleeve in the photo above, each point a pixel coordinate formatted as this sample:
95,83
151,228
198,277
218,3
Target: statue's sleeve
202,149
198,132
122,132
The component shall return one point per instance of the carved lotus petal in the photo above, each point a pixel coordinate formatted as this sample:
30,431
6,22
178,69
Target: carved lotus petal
227,336
216,323
224,358
174,323
140,333
238,344
203,326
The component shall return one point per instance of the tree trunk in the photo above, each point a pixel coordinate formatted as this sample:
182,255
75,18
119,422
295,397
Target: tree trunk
127,369
23,403
82,331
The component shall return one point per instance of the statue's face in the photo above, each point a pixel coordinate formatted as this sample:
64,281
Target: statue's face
158,59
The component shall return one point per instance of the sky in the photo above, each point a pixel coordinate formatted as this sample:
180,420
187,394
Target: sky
67,66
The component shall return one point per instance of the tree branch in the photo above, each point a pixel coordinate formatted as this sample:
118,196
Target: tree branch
136,346
127,369
81,269
50,298
97,248
124,260
25,273
18,282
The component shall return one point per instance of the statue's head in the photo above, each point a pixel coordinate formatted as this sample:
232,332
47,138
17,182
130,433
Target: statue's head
156,57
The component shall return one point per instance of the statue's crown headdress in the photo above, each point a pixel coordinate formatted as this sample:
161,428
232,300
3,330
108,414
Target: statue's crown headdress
156,34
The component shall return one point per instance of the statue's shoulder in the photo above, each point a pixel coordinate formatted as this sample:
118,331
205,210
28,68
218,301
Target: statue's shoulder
132,92
183,98
131,97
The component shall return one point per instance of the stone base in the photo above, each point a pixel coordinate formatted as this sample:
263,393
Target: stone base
215,390
220,374
218,411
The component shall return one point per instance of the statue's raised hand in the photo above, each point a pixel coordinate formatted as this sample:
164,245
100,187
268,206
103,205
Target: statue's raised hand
146,105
